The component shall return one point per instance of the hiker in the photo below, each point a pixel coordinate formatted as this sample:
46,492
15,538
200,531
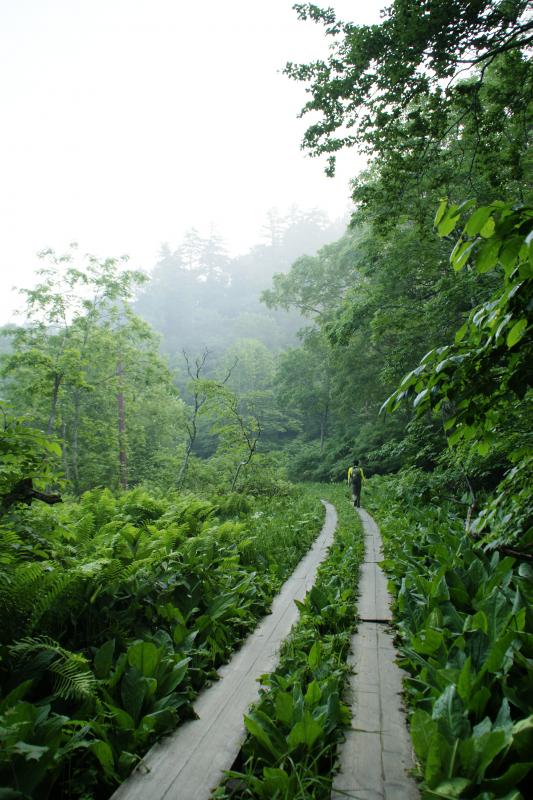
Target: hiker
356,476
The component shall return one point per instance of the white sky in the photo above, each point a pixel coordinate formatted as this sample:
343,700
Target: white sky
125,122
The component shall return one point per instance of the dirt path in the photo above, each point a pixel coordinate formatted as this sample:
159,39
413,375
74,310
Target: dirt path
377,752
188,764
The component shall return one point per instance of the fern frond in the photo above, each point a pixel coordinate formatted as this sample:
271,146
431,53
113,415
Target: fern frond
90,568
10,544
113,571
85,529
19,593
54,585
74,679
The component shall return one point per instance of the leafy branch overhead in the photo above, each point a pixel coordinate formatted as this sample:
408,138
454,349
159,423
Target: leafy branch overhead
470,381
404,69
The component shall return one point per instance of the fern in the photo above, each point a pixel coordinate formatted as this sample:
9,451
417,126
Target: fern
73,676
19,593
55,584
10,544
85,529
113,572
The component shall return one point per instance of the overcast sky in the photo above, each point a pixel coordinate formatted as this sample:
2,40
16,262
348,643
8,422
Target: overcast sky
125,122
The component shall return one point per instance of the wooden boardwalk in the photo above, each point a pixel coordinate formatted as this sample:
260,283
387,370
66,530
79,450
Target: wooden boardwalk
190,763
376,755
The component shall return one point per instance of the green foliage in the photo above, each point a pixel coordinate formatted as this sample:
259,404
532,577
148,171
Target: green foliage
465,630
385,295
485,378
82,349
116,610
24,453
395,89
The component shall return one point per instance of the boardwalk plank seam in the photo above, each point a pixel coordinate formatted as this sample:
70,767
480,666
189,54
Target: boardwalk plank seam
376,755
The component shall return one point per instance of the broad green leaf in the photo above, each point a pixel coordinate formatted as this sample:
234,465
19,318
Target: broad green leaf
437,759
421,396
498,612
423,730
276,780
483,447
461,333
488,228
313,659
428,641
220,606
464,683
447,225
449,711
509,254
313,694
477,220
31,752
262,728
179,634
461,253
510,778
453,787
133,690
104,754
257,731
284,705
168,682
103,659
488,255
145,657
440,211
124,720
305,732
523,737
16,694
488,746
516,332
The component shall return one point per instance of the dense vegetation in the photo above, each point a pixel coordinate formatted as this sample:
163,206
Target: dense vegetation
146,512
116,611
465,630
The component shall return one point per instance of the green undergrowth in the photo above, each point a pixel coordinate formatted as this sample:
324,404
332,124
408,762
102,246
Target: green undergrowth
116,610
294,729
464,621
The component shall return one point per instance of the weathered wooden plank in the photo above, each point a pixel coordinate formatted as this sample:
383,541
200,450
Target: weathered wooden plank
376,756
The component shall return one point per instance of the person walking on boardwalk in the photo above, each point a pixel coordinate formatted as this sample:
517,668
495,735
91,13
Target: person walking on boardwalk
356,476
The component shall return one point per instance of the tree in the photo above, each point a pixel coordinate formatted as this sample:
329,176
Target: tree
29,462
486,376
407,69
84,367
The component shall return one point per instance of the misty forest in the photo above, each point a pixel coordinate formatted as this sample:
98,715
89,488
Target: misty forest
167,437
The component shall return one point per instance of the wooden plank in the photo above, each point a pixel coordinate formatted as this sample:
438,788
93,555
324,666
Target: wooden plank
376,756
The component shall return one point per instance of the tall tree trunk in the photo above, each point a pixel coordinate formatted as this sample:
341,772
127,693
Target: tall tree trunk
323,426
53,406
75,439
64,446
121,405
191,431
